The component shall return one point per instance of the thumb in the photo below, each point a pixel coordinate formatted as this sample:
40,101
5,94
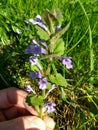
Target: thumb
23,123
50,124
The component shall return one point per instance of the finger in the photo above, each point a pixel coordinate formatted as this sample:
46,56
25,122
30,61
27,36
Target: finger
11,96
2,117
23,123
50,124
15,97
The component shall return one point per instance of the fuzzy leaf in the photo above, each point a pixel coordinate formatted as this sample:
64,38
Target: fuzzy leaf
34,68
60,33
59,47
49,17
33,100
58,14
57,36
42,33
55,16
58,79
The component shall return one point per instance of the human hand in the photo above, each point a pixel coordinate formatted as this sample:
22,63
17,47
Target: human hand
16,114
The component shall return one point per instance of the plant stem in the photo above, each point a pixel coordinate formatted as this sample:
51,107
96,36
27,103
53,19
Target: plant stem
90,42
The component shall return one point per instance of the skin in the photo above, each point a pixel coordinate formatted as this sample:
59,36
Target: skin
16,114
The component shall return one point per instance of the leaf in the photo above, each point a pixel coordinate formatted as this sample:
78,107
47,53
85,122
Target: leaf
63,95
60,33
58,14
55,15
58,79
53,18
14,28
42,33
35,101
34,68
49,17
56,37
59,47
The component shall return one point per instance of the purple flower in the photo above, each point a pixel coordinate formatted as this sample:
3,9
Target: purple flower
29,89
58,28
53,87
33,48
38,21
67,61
43,42
35,75
44,51
50,107
43,83
34,61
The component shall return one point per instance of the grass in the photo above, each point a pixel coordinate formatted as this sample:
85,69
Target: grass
77,105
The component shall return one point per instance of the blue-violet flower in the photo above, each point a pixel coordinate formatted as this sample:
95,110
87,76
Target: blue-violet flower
35,74
29,89
38,21
58,28
43,83
33,48
67,61
34,61
50,107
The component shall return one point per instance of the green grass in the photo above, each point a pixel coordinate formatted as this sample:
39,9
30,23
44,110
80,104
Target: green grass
77,105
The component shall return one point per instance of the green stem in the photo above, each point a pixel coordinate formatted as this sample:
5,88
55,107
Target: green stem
54,68
90,42
41,107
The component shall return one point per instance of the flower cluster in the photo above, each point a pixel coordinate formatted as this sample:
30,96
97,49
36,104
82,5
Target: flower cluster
38,49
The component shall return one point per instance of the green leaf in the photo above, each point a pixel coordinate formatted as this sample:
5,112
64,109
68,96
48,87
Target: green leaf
49,86
34,68
42,33
58,14
33,100
56,37
58,79
49,17
63,94
60,33
54,15
14,28
59,47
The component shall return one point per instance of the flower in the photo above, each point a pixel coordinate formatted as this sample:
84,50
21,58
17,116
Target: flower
44,51
53,87
43,83
18,31
67,61
35,75
50,107
29,89
33,48
38,21
34,61
43,42
58,28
